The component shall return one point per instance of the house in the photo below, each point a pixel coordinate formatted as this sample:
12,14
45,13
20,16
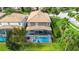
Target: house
14,20
38,27
63,15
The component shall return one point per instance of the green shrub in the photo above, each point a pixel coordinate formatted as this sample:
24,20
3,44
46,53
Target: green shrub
8,10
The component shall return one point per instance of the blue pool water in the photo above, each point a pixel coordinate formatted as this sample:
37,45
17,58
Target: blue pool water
41,39
2,39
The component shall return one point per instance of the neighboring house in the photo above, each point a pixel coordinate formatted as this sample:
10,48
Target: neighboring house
63,15
74,21
15,20
52,15
38,27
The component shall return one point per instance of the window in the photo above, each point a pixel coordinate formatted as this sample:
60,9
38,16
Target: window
2,31
31,32
19,23
14,24
43,24
32,24
4,23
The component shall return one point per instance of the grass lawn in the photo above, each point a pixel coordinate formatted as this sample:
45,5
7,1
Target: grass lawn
46,47
36,47
3,47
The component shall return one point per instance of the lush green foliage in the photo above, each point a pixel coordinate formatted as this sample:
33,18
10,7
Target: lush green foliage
25,10
58,26
51,10
68,37
44,47
71,36
8,10
16,39
57,10
71,14
77,17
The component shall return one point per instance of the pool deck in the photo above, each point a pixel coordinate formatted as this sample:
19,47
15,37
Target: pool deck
2,43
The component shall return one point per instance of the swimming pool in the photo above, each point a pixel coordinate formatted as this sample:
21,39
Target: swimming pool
41,39
2,39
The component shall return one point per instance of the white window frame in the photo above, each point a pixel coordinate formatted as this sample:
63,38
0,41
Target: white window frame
4,24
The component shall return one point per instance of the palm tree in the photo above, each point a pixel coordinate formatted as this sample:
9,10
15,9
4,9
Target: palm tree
16,39
22,9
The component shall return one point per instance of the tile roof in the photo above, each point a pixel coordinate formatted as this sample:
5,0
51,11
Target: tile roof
38,16
9,27
38,28
14,17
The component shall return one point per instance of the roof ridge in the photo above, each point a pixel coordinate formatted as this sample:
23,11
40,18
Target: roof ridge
35,14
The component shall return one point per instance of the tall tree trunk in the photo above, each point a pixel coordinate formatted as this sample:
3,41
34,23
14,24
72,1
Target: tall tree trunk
22,9
2,9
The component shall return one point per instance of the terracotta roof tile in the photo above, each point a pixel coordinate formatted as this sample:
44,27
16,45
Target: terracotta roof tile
38,28
14,17
9,27
38,16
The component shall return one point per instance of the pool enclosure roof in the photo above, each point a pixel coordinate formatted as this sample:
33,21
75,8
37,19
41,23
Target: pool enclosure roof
38,28
38,16
14,17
